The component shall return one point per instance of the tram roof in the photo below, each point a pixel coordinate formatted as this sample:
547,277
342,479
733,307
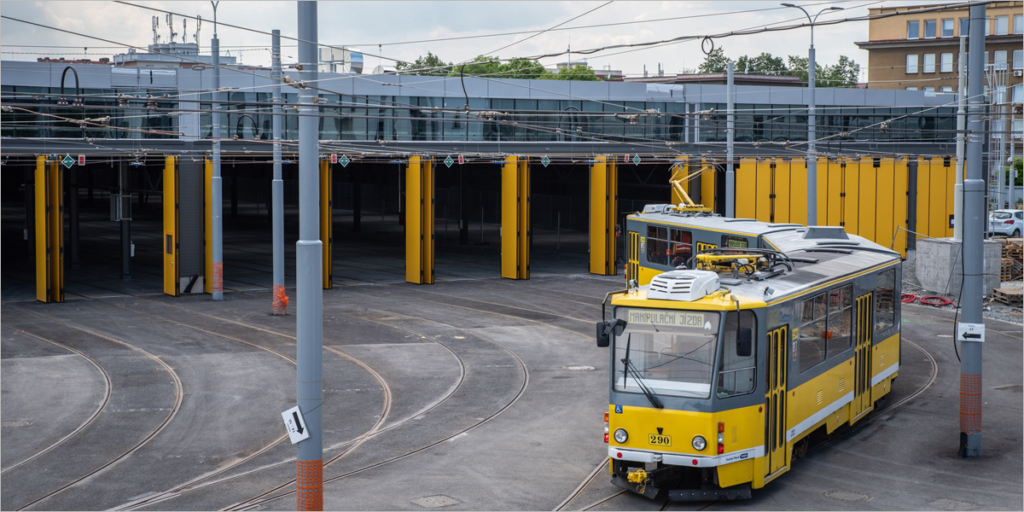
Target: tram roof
751,227
831,258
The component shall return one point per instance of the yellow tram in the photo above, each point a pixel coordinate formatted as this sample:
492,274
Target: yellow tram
664,236
721,373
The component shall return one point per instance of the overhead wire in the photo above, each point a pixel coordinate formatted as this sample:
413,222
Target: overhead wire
406,105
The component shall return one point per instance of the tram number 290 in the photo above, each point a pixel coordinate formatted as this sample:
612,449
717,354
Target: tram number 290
659,440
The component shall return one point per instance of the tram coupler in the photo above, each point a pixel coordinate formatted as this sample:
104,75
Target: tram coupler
644,488
645,482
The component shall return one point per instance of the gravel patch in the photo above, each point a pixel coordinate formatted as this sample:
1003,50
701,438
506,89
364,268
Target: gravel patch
990,308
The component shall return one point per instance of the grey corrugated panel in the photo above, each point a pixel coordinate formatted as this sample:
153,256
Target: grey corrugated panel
190,217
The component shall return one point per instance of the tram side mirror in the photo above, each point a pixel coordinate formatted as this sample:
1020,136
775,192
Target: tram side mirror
744,342
605,330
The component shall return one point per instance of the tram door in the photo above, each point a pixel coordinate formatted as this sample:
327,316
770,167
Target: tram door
775,402
633,268
862,365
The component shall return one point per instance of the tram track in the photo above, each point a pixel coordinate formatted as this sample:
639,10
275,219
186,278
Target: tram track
352,444
204,480
90,420
269,496
179,395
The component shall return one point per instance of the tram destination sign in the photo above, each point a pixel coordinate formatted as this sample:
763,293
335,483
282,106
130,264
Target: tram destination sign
667,318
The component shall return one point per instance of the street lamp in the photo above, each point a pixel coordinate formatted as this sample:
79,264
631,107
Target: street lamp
812,158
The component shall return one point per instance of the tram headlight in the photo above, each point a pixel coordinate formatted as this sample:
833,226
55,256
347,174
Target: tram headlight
699,443
621,435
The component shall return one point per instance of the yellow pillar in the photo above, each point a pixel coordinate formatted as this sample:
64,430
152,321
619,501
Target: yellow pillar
515,218
680,173
326,226
707,184
208,226
49,231
603,208
170,239
419,221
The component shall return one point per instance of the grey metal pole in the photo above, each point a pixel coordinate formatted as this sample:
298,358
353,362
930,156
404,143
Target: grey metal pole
277,184
961,121
974,210
812,154
216,190
309,270
73,214
126,227
730,129
1004,127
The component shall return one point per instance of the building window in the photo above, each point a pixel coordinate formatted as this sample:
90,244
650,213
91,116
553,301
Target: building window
911,88
911,64
988,26
929,63
1018,59
1018,93
1018,23
912,29
946,88
1002,25
1000,61
929,89
947,28
1018,127
946,61
929,29
965,24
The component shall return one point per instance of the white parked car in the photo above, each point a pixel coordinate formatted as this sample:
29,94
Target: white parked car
1006,222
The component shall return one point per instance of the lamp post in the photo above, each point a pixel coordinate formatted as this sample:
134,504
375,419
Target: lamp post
812,156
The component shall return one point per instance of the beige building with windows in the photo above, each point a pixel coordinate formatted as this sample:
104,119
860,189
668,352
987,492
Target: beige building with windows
918,51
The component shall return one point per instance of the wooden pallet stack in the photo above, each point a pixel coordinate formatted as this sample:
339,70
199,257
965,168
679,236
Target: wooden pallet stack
1013,254
1008,296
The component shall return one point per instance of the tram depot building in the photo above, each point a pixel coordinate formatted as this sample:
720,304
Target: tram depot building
561,155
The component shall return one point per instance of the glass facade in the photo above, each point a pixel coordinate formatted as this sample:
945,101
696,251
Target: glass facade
248,116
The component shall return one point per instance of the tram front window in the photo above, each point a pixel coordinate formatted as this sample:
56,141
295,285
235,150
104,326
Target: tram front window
670,352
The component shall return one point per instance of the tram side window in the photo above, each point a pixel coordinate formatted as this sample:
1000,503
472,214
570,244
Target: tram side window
885,300
840,320
657,245
734,242
682,243
738,365
810,339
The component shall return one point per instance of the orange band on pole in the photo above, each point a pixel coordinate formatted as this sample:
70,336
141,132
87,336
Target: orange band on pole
310,485
280,300
218,276
970,403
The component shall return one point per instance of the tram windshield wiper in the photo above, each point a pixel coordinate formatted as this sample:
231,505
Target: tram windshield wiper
631,370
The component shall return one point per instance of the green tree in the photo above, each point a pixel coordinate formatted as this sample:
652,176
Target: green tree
714,62
578,73
764,64
431,65
521,68
842,74
480,66
490,67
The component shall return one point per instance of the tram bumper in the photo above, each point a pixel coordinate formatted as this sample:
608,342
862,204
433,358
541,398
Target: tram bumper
736,492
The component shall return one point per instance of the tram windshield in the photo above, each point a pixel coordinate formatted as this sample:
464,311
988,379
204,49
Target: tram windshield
670,352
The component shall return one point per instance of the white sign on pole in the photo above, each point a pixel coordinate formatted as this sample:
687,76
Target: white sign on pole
295,424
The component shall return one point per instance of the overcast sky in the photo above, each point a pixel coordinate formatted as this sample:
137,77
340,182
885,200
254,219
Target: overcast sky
381,28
